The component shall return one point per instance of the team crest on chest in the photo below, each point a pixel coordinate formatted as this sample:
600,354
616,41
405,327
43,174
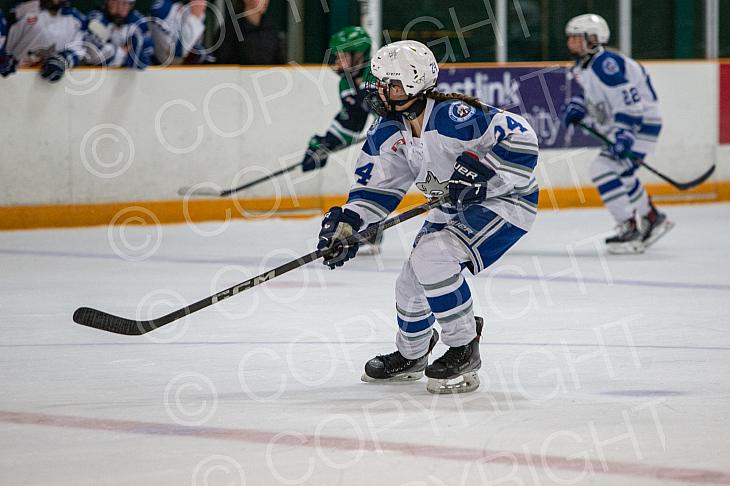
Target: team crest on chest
610,66
461,111
431,186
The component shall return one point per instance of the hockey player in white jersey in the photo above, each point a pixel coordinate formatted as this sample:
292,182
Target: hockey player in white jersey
619,100
120,35
484,158
52,38
177,30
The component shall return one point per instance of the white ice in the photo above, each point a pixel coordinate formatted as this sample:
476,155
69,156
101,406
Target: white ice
597,369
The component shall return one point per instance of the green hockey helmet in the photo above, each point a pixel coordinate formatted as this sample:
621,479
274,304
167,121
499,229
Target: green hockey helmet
351,39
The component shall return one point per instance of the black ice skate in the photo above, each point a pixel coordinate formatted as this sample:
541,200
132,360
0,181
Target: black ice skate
628,239
395,367
653,226
456,370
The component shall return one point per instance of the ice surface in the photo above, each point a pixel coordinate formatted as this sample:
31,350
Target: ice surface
597,369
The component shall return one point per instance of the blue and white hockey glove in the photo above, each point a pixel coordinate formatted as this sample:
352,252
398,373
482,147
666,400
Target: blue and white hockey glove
621,148
8,63
468,183
573,111
337,225
53,68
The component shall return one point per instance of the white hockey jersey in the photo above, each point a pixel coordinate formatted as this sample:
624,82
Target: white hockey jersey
175,31
392,160
38,35
128,44
618,93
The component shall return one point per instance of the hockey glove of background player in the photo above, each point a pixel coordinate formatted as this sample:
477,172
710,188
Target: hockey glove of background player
318,150
622,146
573,111
8,63
337,225
468,183
53,68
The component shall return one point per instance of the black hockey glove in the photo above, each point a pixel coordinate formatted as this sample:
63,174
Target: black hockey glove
53,68
318,151
468,183
337,225
8,64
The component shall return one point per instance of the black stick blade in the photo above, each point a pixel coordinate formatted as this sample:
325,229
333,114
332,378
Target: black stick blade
689,185
110,323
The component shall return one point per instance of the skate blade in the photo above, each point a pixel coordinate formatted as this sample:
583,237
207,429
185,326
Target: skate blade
369,250
658,232
461,384
627,248
403,377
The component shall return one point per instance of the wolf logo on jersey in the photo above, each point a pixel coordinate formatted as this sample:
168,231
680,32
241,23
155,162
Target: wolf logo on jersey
432,187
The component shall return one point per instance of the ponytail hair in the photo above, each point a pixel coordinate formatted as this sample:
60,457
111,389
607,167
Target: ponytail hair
469,100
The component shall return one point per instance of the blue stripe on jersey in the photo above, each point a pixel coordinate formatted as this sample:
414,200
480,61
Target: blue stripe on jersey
416,326
627,119
533,197
381,130
161,9
446,302
99,16
456,119
3,26
650,129
527,160
610,68
179,48
136,17
74,12
386,201
609,186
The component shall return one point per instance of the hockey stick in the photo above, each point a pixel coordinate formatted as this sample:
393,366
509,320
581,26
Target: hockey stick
207,191
119,325
682,186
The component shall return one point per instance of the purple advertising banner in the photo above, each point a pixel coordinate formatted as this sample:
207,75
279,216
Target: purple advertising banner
536,93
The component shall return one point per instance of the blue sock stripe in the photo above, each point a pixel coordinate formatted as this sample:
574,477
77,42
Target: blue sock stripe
416,326
446,302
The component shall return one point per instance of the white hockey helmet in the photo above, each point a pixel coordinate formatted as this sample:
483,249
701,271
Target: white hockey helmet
407,61
587,25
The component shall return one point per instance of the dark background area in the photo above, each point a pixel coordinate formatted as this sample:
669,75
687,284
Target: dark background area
662,29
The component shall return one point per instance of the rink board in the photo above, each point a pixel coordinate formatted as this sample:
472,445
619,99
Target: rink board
105,140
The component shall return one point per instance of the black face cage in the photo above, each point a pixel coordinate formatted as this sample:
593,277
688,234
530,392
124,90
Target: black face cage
387,108
373,98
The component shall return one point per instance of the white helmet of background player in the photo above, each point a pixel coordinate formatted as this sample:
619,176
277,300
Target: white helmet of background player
592,28
409,64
